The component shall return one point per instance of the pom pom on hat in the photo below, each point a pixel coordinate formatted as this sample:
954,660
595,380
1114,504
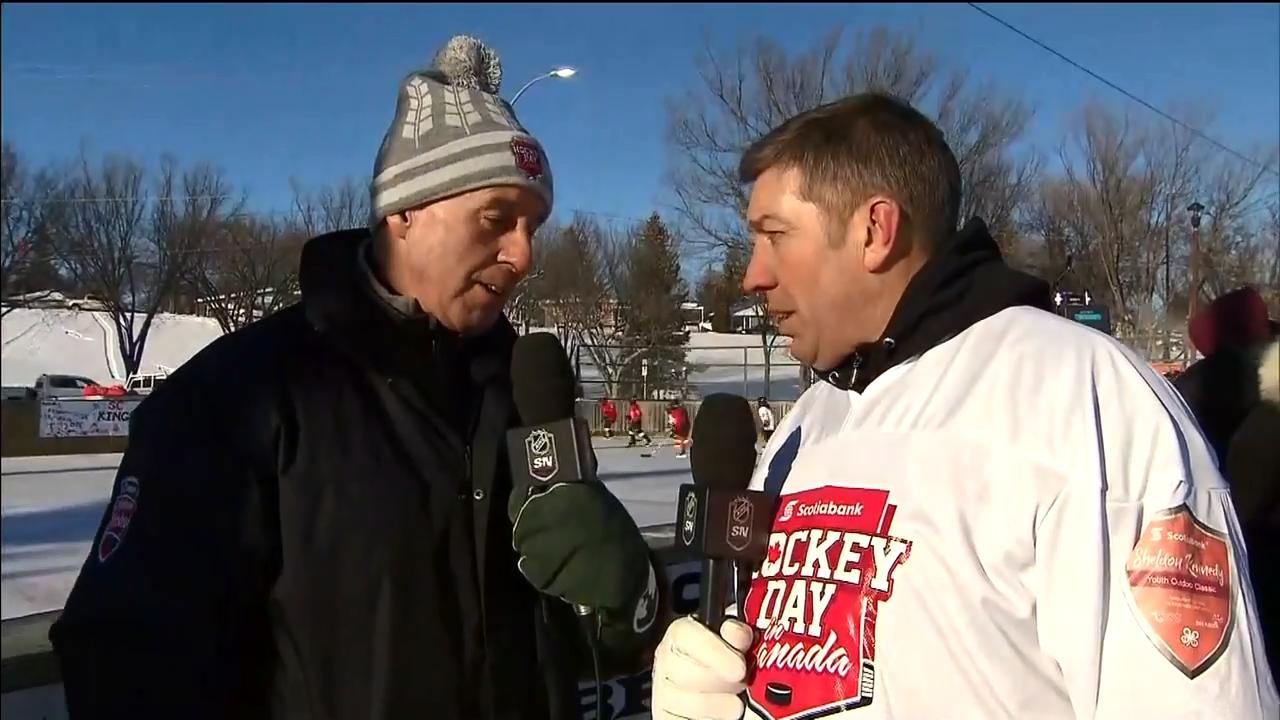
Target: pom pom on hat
470,64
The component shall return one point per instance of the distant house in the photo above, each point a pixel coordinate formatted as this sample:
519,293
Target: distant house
263,300
54,300
746,317
554,313
694,316
42,300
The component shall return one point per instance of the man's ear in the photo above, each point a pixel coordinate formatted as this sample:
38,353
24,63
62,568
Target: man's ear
397,225
882,243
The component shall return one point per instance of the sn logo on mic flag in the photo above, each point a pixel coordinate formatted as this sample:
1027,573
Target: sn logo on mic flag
814,601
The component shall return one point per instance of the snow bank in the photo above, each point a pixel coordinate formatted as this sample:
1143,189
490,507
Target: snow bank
68,342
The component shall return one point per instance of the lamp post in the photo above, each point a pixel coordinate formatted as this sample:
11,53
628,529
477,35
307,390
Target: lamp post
561,72
1193,293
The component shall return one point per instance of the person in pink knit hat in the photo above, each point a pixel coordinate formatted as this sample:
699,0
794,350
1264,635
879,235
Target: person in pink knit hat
1222,388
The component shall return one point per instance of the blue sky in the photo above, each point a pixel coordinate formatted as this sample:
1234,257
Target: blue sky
273,91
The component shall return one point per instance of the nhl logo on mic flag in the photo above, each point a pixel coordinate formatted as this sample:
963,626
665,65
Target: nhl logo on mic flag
690,524
540,448
738,534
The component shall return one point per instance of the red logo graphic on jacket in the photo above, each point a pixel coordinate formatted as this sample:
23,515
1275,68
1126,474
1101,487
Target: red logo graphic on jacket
813,603
122,511
1180,583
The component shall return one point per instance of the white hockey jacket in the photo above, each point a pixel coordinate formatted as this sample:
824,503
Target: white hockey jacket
1022,521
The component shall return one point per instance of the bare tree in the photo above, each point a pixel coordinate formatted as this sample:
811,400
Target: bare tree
187,221
1269,259
249,270
329,209
741,96
532,290
32,216
1232,241
1118,208
579,291
131,258
981,125
102,245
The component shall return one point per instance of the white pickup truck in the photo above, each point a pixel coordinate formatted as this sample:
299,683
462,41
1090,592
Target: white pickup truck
144,384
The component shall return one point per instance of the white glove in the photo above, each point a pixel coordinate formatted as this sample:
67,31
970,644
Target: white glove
697,675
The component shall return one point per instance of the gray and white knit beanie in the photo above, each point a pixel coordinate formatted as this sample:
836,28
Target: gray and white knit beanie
452,133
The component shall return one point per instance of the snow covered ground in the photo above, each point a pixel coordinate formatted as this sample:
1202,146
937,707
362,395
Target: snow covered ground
726,362
67,342
52,507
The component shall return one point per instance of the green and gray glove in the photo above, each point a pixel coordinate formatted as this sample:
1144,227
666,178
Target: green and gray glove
577,542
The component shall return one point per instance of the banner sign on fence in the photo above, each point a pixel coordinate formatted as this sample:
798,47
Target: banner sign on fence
72,417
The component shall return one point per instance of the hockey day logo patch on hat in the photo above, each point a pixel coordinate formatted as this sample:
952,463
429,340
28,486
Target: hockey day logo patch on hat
528,158
814,600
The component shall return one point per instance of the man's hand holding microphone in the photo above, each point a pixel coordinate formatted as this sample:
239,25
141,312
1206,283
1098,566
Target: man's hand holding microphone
700,668
575,540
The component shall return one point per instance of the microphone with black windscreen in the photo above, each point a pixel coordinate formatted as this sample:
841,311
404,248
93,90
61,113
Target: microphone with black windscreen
717,516
554,444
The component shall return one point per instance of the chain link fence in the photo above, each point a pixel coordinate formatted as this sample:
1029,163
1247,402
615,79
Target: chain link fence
750,371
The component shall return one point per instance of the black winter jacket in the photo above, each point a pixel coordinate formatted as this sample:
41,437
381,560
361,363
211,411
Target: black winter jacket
310,522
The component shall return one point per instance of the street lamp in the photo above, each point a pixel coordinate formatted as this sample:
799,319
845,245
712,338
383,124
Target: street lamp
1196,209
560,72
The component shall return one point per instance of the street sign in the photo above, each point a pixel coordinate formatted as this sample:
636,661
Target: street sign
1095,316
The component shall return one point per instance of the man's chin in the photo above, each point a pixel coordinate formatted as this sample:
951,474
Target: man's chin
478,323
802,354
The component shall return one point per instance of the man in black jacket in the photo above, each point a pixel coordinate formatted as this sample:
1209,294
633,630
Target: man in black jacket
314,518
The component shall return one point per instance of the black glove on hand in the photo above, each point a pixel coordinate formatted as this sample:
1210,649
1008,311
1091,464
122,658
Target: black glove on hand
577,542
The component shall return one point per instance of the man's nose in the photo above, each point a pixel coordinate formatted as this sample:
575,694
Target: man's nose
517,250
759,276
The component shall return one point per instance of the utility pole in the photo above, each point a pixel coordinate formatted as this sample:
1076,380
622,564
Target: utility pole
1168,292
1193,292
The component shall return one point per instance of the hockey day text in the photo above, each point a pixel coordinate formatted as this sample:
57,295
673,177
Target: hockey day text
802,575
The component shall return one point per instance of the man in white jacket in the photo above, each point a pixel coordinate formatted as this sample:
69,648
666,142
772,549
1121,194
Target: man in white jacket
985,510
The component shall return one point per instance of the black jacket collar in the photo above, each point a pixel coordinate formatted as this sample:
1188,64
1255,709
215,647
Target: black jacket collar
339,306
966,282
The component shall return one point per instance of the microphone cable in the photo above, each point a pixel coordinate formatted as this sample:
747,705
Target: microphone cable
591,628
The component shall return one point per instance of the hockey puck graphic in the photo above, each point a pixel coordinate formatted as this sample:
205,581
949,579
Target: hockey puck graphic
777,694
